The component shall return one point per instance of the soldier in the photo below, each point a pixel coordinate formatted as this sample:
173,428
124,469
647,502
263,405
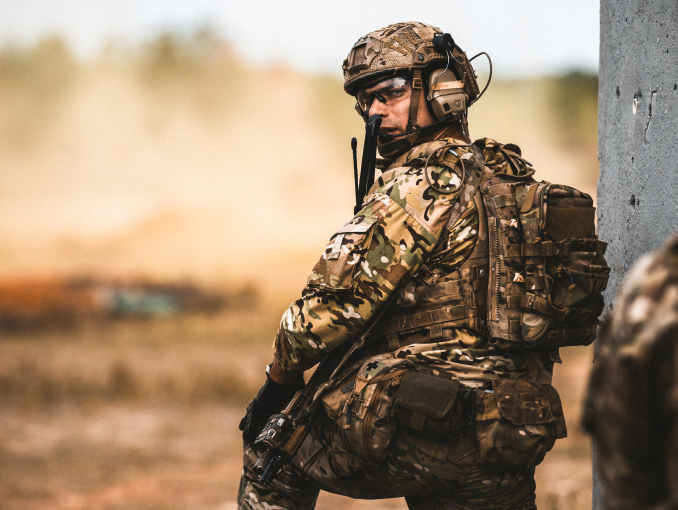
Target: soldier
442,403
632,403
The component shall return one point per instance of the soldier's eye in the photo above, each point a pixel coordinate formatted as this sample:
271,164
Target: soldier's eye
394,93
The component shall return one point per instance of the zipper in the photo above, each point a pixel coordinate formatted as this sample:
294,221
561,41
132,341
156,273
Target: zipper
543,198
367,437
495,282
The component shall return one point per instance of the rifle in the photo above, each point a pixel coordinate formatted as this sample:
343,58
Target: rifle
282,436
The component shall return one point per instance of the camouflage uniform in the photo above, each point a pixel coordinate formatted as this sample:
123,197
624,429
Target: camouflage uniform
482,463
632,402
427,407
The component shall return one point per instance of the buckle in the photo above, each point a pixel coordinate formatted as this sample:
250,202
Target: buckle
417,83
393,341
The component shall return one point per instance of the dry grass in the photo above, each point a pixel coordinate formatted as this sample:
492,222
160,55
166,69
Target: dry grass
186,359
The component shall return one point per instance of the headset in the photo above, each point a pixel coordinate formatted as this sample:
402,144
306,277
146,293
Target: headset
448,95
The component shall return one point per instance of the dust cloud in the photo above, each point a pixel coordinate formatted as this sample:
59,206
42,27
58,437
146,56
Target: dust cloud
180,159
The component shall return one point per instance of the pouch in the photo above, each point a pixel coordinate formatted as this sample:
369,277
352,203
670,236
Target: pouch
361,406
426,404
517,422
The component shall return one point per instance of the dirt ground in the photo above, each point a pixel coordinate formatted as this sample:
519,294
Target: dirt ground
175,449
169,457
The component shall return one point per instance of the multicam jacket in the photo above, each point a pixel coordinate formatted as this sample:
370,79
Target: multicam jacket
632,402
401,231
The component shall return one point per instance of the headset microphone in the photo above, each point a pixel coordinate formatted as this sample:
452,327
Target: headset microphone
387,137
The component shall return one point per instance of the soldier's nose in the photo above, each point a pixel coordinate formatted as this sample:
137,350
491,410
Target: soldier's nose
377,108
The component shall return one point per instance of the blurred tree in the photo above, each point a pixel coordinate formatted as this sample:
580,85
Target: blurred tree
573,104
34,83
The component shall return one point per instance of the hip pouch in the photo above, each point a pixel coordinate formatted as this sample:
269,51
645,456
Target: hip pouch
517,422
433,406
362,407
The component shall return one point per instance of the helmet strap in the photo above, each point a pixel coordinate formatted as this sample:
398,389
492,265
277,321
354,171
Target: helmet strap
417,86
395,147
401,144
464,124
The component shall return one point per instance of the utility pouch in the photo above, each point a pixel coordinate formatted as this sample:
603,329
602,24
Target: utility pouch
429,405
362,406
517,422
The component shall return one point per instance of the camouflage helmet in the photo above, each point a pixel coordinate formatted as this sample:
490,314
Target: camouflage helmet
403,48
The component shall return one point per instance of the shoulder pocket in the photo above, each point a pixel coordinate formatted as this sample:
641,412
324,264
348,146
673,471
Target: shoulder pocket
340,263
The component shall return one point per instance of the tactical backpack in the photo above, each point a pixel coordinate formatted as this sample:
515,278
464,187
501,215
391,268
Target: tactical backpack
536,274
547,270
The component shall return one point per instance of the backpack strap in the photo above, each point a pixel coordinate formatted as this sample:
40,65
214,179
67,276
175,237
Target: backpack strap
472,178
529,198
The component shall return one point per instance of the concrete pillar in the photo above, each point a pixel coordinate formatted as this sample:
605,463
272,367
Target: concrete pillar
637,133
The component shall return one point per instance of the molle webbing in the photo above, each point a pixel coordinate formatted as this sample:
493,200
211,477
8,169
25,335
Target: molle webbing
459,300
418,320
547,266
536,272
552,249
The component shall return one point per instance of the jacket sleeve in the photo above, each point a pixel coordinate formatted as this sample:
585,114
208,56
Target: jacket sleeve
632,398
364,262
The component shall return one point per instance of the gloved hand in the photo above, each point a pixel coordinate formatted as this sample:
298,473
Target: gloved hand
271,399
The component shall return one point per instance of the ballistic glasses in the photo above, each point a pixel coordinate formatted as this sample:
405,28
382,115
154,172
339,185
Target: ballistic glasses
388,91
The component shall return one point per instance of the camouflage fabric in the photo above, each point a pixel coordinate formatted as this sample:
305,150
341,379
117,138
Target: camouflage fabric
632,402
517,422
547,266
400,224
430,475
355,447
400,227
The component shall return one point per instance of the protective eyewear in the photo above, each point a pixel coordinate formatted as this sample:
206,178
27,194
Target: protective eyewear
387,91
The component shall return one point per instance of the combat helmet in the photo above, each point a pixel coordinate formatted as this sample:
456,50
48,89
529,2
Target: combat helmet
432,60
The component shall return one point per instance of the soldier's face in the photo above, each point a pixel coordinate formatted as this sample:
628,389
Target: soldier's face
390,99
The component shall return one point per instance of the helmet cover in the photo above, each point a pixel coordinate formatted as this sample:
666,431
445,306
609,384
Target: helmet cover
400,48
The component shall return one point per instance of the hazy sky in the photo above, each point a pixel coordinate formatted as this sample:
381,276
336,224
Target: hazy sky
521,36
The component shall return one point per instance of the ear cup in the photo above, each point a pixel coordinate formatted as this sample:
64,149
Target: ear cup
446,94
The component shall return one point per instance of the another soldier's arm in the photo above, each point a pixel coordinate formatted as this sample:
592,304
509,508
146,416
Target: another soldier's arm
631,403
387,242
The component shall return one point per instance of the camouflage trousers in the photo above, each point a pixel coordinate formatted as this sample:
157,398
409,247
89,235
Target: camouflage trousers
431,475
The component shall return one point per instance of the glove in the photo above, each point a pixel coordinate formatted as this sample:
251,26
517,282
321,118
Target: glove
271,399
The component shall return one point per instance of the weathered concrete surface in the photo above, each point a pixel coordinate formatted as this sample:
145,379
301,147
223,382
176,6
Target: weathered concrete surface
638,145
637,133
